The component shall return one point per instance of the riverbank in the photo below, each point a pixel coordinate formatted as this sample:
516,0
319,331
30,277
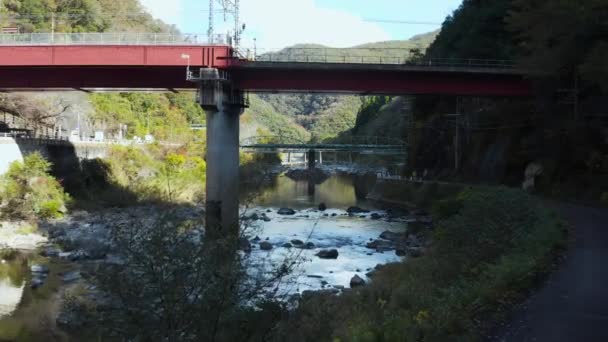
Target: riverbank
489,246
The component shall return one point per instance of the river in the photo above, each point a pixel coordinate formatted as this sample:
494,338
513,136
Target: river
22,308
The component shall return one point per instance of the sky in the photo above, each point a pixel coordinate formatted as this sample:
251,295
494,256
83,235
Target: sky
338,23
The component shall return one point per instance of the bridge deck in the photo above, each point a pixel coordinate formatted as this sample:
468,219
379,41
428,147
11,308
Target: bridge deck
283,148
121,67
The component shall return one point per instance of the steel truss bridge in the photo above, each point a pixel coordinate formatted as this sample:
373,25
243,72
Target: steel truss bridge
359,144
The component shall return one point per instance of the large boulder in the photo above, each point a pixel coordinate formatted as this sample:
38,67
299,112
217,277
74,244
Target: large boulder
392,236
328,254
376,216
265,246
356,281
244,245
286,211
297,242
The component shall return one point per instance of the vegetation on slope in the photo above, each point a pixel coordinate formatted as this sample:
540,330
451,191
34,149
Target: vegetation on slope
28,191
327,116
79,16
166,116
490,245
261,118
147,173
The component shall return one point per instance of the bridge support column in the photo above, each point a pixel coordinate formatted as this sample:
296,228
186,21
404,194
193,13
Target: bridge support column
223,106
311,159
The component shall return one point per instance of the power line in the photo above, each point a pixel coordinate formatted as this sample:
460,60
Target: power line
402,22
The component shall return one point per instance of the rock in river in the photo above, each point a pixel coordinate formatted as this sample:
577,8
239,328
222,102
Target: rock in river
328,254
376,216
322,206
36,282
356,281
265,246
286,211
244,245
356,210
41,269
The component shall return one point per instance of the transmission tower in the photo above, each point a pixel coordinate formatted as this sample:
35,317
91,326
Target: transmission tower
211,18
229,7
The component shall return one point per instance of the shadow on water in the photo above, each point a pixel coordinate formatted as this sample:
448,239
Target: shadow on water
27,314
340,190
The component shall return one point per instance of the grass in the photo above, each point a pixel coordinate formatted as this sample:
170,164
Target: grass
490,246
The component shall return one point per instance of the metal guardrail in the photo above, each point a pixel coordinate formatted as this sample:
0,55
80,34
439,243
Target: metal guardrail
53,140
363,56
110,38
352,140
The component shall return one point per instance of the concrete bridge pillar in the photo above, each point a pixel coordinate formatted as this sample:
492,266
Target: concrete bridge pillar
311,159
223,106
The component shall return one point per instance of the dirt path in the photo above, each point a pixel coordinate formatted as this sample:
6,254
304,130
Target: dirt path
573,304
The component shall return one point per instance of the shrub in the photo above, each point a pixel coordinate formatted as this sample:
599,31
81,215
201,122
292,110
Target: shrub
8,254
29,191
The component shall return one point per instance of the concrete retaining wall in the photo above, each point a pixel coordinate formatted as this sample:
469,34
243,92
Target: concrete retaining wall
9,152
65,156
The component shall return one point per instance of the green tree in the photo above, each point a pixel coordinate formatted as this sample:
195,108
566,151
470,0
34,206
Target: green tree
562,37
28,190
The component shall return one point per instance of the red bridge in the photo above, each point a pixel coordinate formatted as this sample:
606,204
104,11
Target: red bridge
163,66
221,78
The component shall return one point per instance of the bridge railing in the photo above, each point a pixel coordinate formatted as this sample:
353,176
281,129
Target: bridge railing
270,140
110,38
374,56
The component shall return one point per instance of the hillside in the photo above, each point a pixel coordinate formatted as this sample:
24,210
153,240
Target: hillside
326,116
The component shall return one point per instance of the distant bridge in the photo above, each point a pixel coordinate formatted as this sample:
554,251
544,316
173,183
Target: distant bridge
359,144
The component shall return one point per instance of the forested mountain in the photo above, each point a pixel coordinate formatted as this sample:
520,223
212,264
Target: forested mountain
326,116
79,16
564,129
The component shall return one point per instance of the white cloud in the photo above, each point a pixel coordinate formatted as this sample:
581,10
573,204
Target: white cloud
168,11
279,23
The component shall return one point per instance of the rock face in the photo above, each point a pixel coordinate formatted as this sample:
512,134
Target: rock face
265,246
328,254
286,211
356,281
356,210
